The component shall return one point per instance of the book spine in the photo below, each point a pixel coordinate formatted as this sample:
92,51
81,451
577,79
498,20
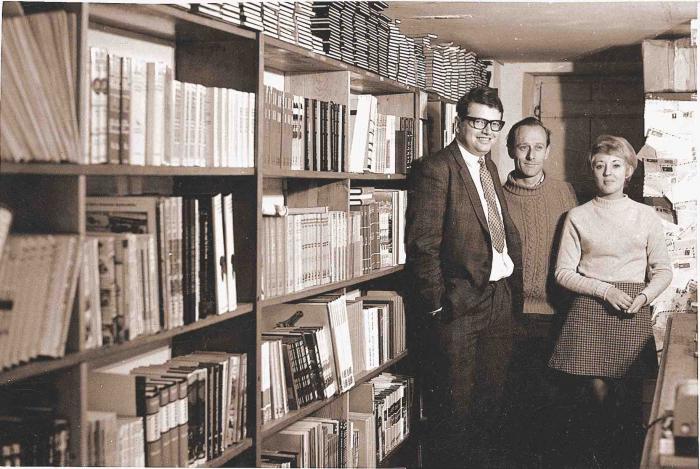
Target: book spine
113,112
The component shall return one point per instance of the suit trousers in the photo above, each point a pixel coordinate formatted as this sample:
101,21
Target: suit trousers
463,368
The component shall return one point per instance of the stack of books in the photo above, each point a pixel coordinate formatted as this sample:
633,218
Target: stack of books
38,283
316,348
164,261
141,115
311,442
304,248
303,133
382,219
38,113
192,407
381,410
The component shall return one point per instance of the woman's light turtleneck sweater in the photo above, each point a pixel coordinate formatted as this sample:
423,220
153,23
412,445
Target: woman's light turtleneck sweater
537,213
605,241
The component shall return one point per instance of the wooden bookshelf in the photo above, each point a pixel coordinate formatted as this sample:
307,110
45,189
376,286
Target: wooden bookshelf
50,197
273,426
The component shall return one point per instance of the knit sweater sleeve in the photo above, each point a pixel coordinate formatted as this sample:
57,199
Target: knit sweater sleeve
568,258
658,261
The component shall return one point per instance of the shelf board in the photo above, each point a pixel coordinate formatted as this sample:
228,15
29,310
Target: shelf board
290,58
672,96
271,172
69,169
274,426
330,286
166,22
40,367
229,453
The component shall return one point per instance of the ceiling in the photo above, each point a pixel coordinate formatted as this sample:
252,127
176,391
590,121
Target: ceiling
543,31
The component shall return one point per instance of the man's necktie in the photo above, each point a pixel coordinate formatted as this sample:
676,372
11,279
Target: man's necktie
494,218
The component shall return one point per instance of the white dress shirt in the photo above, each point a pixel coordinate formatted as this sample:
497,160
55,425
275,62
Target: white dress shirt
502,265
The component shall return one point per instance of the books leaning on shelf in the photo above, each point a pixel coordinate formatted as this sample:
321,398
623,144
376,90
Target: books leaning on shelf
164,261
38,118
187,410
141,115
303,133
379,143
34,436
38,279
315,348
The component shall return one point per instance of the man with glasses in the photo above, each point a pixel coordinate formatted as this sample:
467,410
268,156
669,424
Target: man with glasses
464,257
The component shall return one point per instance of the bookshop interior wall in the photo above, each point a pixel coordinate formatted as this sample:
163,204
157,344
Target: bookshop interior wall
202,211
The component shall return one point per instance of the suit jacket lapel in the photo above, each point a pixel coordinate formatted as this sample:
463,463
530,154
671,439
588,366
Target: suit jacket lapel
469,185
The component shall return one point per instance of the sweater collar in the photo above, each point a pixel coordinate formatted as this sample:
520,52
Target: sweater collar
615,203
518,187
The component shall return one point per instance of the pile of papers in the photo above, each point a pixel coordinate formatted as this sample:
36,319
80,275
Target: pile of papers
671,176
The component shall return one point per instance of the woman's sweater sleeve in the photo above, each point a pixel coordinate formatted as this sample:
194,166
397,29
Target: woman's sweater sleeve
658,261
568,258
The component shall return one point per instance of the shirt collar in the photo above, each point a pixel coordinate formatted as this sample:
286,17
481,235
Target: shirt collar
469,158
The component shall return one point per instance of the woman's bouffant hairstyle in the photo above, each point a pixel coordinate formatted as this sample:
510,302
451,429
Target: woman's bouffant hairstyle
617,146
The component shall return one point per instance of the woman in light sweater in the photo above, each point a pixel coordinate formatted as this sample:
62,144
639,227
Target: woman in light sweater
613,256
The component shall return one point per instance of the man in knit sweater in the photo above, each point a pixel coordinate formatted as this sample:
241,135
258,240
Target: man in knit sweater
537,205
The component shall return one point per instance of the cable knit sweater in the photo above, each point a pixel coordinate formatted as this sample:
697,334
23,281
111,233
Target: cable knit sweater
537,213
606,241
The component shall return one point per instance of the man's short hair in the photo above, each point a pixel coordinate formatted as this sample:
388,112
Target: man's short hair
527,122
616,146
479,95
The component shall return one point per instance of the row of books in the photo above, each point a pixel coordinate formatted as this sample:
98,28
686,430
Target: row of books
38,282
310,442
288,21
303,133
393,398
192,407
188,268
450,70
377,422
141,115
382,222
313,349
115,441
380,143
38,113
34,437
307,248
359,33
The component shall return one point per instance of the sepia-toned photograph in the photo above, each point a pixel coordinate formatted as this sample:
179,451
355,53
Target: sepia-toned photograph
349,234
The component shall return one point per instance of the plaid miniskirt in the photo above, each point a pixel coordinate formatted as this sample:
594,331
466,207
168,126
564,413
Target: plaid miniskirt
597,340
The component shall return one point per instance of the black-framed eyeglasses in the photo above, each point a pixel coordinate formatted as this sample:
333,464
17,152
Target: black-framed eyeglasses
479,123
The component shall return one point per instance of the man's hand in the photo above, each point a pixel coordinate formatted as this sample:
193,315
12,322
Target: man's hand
618,299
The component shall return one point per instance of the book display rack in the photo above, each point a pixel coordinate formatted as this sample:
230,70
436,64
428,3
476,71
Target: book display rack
172,106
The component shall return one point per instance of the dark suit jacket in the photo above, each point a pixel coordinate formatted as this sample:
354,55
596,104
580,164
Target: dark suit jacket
448,245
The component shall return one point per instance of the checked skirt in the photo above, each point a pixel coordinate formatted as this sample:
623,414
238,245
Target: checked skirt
597,340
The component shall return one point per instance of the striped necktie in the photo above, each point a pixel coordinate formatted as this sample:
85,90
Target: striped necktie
494,218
